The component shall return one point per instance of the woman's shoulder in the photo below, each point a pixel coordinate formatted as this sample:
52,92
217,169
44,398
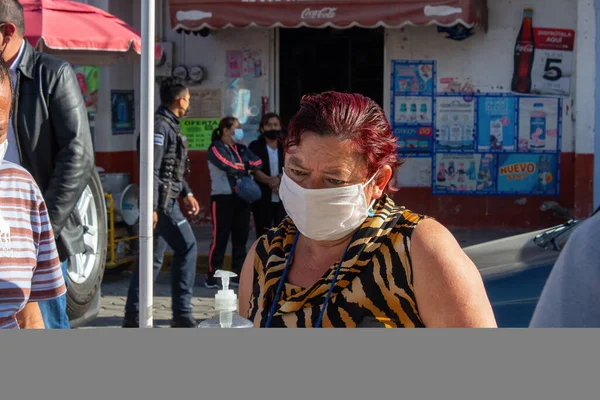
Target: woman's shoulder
216,143
397,217
276,239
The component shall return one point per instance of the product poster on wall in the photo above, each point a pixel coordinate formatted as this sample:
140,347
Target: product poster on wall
198,132
528,174
89,81
413,88
455,124
123,112
539,122
252,64
464,173
234,63
496,123
413,110
414,77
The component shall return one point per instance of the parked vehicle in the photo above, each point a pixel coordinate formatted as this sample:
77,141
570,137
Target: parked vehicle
85,271
515,270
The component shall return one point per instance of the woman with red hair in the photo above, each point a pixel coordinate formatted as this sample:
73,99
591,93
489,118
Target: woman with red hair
346,255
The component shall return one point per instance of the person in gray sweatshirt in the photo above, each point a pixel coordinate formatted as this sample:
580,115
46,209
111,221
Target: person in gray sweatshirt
571,297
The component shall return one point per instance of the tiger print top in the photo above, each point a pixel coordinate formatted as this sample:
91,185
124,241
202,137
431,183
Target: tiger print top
374,286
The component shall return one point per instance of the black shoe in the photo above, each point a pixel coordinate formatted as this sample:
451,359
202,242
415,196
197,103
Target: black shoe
187,322
211,283
130,323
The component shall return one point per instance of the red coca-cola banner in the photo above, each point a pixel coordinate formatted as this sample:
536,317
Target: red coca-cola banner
554,39
194,15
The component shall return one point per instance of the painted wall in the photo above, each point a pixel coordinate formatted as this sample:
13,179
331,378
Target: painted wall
486,61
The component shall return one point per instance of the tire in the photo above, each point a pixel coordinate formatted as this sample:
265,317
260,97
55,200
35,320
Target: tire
85,272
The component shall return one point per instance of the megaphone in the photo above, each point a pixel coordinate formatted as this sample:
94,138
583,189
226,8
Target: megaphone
127,205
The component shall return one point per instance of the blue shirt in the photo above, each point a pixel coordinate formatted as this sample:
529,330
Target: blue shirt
571,297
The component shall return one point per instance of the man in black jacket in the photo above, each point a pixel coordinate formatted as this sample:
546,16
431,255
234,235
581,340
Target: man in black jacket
172,228
49,136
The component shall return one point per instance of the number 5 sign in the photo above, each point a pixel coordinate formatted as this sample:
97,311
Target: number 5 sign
553,61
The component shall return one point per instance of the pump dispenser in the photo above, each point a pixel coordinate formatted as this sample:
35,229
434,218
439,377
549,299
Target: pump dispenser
225,306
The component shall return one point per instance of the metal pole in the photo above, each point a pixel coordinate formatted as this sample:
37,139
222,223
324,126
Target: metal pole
146,162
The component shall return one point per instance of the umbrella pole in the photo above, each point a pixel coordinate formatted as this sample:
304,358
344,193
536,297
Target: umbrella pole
147,163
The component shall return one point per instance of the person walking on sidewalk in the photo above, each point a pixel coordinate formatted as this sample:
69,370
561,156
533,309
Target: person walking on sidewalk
171,226
228,160
268,211
48,135
29,265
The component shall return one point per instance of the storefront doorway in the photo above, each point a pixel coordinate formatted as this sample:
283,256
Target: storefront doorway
316,60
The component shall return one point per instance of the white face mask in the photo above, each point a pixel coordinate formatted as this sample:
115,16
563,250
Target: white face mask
3,148
325,214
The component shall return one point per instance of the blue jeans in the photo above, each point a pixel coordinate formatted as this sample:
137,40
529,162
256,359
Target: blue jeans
54,312
173,229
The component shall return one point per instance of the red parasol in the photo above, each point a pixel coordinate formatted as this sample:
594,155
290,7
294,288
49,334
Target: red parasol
80,33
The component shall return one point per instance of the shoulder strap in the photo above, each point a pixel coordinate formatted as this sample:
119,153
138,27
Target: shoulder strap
167,120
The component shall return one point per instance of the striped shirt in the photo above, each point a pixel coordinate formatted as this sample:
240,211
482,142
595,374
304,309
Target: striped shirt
29,264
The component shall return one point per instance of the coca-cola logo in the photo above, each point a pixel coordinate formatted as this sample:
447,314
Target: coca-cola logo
525,48
324,13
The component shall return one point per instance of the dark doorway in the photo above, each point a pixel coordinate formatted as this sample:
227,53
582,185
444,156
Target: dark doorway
316,60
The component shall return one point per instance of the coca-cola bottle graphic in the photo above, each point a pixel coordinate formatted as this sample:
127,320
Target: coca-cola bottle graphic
524,53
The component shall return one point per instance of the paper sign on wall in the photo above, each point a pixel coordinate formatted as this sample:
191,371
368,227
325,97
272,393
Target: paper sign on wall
205,103
455,123
464,173
538,124
553,62
528,174
199,132
413,89
88,78
496,123
123,112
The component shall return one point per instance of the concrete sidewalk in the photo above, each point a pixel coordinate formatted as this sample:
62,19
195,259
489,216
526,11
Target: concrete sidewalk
465,237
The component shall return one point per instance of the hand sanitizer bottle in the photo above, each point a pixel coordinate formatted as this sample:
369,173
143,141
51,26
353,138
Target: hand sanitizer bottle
226,306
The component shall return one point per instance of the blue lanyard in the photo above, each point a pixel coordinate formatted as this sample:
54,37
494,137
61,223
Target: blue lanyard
282,281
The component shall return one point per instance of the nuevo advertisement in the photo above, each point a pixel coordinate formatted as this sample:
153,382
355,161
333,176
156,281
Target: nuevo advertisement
464,173
496,123
455,124
528,174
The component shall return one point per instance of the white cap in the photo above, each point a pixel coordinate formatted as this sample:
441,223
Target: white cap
225,299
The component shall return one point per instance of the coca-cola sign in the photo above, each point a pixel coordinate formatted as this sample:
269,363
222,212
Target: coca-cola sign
324,13
525,48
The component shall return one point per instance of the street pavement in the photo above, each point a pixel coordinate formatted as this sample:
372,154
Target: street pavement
114,286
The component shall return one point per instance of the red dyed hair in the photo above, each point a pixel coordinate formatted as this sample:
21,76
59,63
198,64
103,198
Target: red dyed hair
351,117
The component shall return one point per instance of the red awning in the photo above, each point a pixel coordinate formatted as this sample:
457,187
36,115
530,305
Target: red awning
194,15
80,33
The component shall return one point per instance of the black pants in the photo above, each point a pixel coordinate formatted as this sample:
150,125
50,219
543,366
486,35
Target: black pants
267,215
231,217
174,230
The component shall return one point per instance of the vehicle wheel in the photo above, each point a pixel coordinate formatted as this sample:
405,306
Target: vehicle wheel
85,271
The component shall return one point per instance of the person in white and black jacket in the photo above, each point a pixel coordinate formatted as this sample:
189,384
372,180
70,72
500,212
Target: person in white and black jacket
269,211
228,160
